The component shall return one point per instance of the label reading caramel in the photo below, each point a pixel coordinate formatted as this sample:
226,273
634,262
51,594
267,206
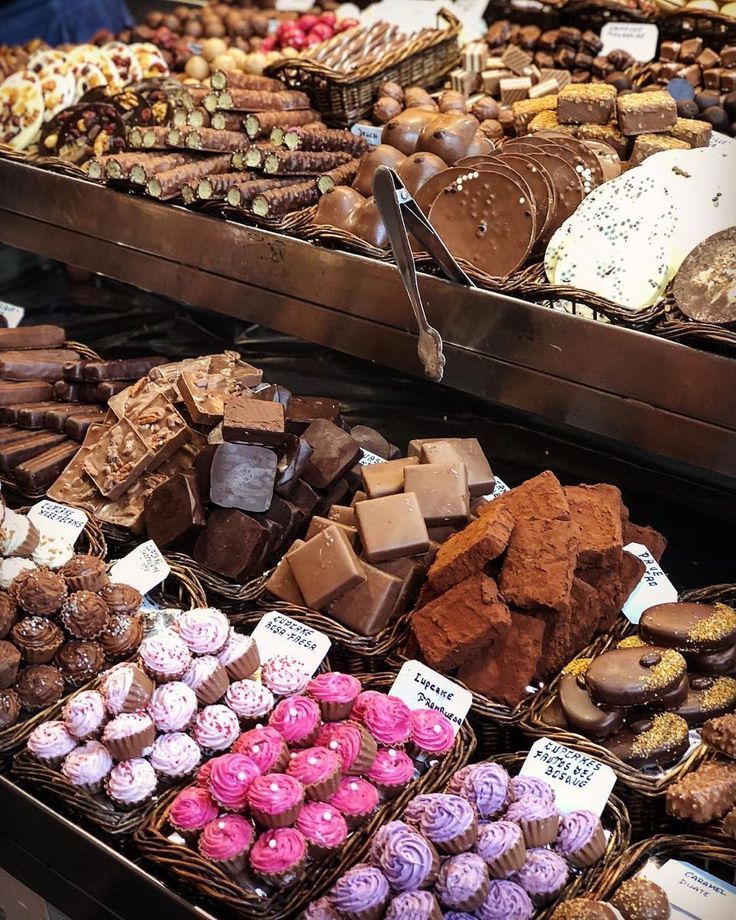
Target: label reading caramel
693,892
143,568
277,634
579,781
422,688
13,315
58,521
654,587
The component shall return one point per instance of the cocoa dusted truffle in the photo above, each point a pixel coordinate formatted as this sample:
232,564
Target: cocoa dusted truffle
85,573
39,686
122,636
79,661
85,615
41,592
121,598
9,708
8,613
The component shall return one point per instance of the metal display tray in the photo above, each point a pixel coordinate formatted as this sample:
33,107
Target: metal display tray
645,398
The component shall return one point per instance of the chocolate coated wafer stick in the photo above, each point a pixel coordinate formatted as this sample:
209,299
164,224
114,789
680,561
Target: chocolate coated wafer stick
280,201
123,369
227,121
253,100
340,175
155,136
25,392
242,195
197,118
303,162
216,186
23,337
329,139
149,164
260,124
168,184
20,451
236,79
209,139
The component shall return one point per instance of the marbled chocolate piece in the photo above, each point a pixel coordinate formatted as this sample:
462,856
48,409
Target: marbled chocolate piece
242,476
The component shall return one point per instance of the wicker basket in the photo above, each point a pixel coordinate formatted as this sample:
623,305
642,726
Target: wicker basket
715,29
717,858
594,14
217,886
344,98
677,327
230,595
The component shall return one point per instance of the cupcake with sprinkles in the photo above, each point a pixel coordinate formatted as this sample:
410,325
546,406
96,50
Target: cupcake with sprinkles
250,700
175,756
173,707
239,656
204,630
323,827
216,728
275,799
50,742
131,783
356,798
431,733
284,676
165,656
84,715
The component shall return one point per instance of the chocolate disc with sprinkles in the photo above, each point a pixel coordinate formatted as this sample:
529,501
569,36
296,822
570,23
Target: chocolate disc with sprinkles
541,188
659,741
569,191
587,163
707,698
635,676
690,627
705,285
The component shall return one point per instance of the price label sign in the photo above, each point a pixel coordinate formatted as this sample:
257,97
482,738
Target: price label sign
59,521
369,458
371,133
693,893
498,489
654,587
277,634
294,6
13,315
420,687
640,39
143,568
578,780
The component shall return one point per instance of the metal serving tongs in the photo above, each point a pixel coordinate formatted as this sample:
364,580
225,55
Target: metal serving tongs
400,212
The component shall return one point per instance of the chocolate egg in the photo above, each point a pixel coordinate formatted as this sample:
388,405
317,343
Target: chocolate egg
418,168
367,224
382,155
449,136
402,132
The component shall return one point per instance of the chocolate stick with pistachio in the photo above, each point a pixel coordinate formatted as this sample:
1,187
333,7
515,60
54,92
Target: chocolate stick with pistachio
212,140
254,100
240,196
340,175
279,201
303,162
236,79
260,124
327,139
168,184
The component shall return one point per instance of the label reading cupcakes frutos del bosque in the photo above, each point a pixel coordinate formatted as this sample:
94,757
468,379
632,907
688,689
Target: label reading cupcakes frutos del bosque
654,587
579,781
420,687
143,568
277,634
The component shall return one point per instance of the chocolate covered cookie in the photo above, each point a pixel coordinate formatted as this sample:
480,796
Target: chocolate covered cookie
660,741
689,627
707,698
581,713
635,676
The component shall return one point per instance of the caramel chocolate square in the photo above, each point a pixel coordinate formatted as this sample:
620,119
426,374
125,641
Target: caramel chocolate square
693,132
690,49
391,527
539,564
548,121
646,145
318,524
708,58
609,134
597,512
325,567
669,51
253,420
589,103
646,113
705,794
712,78
441,490
342,514
526,109
728,55
368,608
461,450
387,478
282,583
334,452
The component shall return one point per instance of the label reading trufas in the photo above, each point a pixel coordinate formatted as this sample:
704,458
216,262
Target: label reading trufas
640,39
372,133
143,568
420,687
654,587
277,634
694,893
498,489
579,781
368,458
13,315
60,521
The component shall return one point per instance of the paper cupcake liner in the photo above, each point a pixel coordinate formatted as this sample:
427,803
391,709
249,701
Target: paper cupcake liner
333,711
288,878
540,899
213,687
28,546
539,832
244,666
92,582
40,655
53,762
132,746
589,854
461,843
366,755
509,862
322,790
282,819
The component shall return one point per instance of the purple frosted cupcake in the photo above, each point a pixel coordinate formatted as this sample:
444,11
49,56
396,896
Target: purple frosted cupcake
414,905
175,756
457,780
50,742
414,811
505,901
385,833
450,823
463,882
250,700
488,788
361,894
131,783
191,811
84,715
324,828
537,819
580,838
543,875
408,860
321,909
501,846
530,785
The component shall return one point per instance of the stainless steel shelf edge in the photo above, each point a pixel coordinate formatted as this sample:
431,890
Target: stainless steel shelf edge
668,400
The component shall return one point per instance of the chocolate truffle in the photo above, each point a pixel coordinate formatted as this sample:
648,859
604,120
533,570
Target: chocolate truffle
85,573
8,613
122,636
121,598
85,615
9,664
41,592
583,909
37,639
9,708
79,661
640,899
39,686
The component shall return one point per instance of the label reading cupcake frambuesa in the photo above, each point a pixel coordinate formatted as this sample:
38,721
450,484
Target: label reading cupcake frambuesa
143,568
59,521
654,587
420,687
693,892
277,634
579,781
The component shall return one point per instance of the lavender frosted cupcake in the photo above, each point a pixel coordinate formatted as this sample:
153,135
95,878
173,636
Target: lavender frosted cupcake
505,901
414,905
84,715
216,728
361,894
408,860
501,846
173,707
239,656
284,676
205,630
537,819
322,909
50,743
87,766
175,756
207,677
463,882
250,700
530,785
165,656
450,823
129,735
414,811
543,875
385,833
131,783
487,787
580,838
126,688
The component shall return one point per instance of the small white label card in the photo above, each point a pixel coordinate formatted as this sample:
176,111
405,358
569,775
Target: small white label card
143,568
694,893
654,587
579,781
369,458
638,38
13,315
498,489
59,521
277,634
420,687
372,133
294,6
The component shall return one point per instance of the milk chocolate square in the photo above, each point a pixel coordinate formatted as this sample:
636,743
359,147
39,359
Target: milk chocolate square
326,567
391,527
342,514
242,476
253,420
333,453
303,410
463,450
368,608
410,571
589,103
442,492
318,524
382,479
282,583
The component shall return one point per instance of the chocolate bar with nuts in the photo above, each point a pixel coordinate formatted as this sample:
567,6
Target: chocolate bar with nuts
591,103
646,113
161,427
280,201
204,395
260,124
303,162
118,459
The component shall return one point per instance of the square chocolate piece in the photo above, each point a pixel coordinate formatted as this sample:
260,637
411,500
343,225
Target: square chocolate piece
174,511
695,133
342,514
318,524
282,583
539,564
333,453
391,527
597,512
242,476
586,103
459,450
646,113
231,544
442,492
326,567
387,478
646,145
248,420
368,608
303,410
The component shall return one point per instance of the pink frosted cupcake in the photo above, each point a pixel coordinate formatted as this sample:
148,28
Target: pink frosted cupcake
87,766
356,798
279,857
50,743
388,719
84,715
297,720
266,747
216,729
250,700
129,735
239,656
355,746
131,783
324,828
204,630
391,771
191,811
319,770
284,676
336,694
230,778
203,775
175,756
207,677
326,733
275,799
165,656
173,707
126,688
364,698
227,841
431,732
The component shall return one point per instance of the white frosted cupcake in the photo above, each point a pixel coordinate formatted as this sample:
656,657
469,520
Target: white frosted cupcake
52,552
207,677
131,783
175,756
9,568
18,535
165,656
50,743
173,707
250,700
205,630
216,729
84,715
87,766
239,657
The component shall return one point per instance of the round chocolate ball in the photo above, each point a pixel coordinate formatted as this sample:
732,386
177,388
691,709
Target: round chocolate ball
717,117
619,80
687,108
640,899
705,100
729,104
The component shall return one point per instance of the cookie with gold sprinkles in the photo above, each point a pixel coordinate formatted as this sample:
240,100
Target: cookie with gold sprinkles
636,676
659,741
689,627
